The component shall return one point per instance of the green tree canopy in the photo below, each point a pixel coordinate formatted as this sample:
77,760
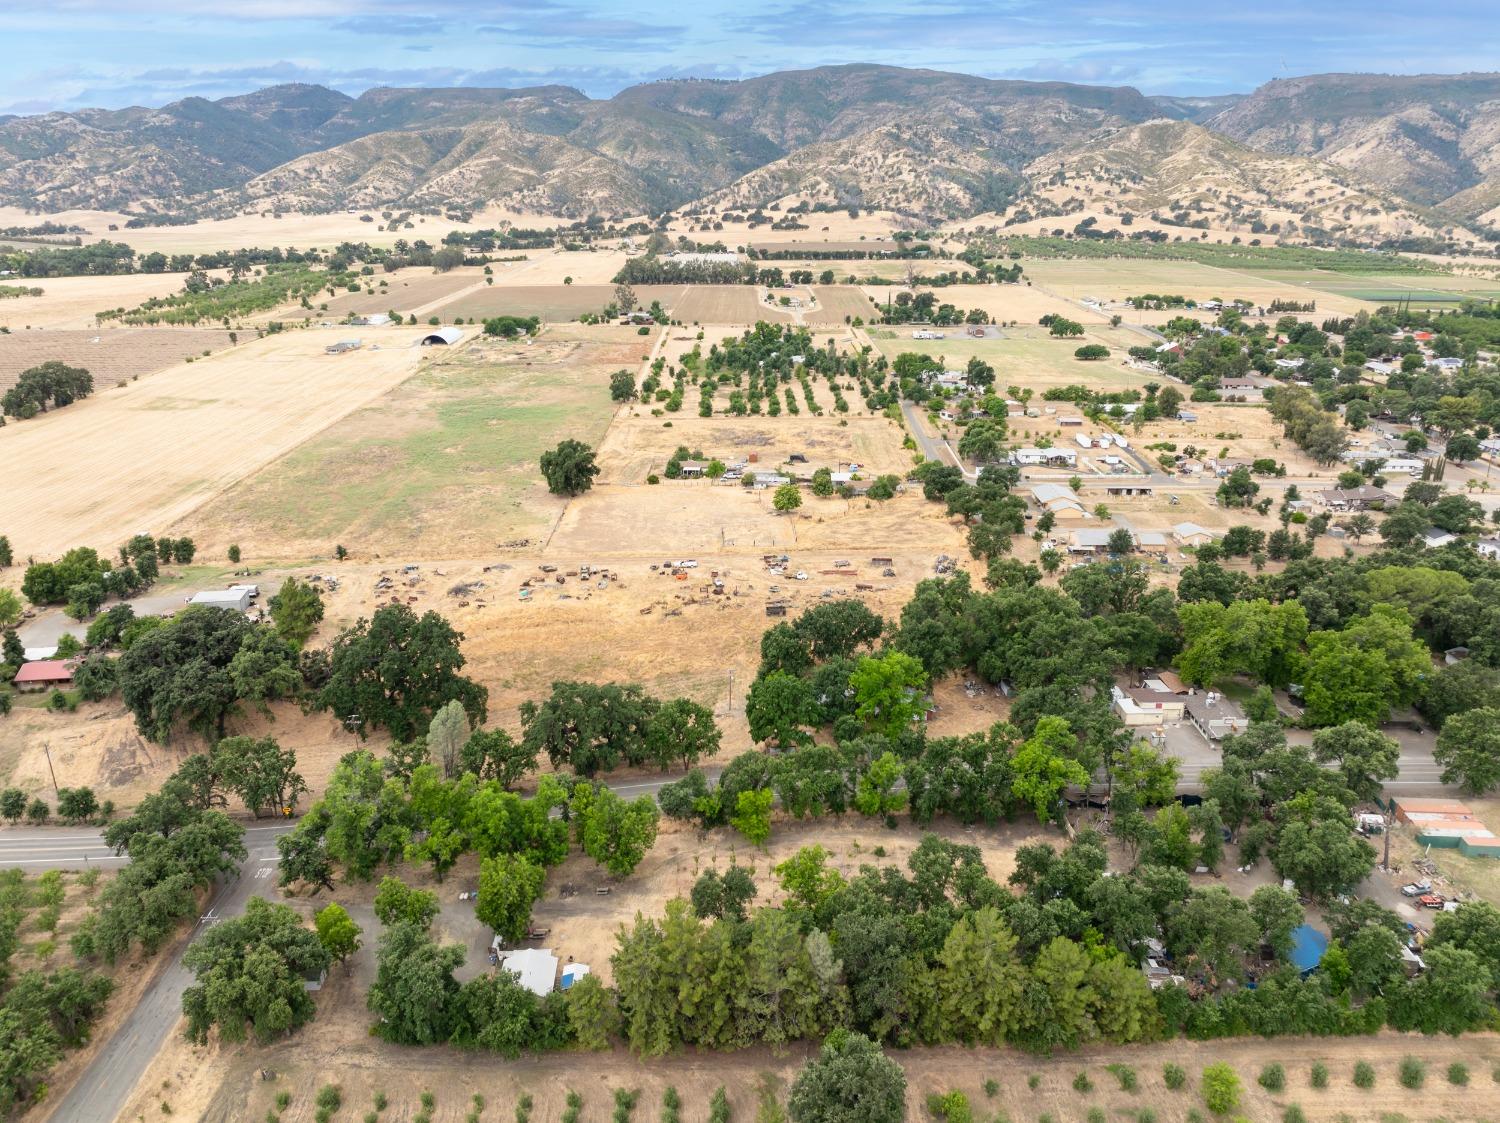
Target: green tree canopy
250,972
397,670
569,469
849,1081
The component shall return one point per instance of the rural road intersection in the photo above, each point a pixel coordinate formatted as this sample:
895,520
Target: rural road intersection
104,1088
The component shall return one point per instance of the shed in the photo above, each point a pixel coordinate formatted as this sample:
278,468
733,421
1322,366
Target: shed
1478,847
534,968
44,674
441,337
1308,946
236,598
572,973
1413,810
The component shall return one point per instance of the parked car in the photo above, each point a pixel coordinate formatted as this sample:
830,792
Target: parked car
1416,888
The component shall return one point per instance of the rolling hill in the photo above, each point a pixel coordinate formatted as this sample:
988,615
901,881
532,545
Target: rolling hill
1433,139
1347,156
1180,174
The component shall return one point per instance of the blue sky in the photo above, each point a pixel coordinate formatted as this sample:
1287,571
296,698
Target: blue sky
66,54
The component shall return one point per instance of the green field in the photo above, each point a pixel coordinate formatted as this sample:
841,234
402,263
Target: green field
1434,289
1223,256
445,462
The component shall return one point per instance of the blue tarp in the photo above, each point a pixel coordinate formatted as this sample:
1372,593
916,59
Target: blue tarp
1308,946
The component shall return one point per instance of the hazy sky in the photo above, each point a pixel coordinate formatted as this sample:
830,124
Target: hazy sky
65,54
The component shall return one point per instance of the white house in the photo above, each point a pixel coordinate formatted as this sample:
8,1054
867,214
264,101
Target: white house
1488,548
1045,457
1436,538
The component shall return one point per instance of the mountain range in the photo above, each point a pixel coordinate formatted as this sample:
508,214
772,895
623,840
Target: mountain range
1346,155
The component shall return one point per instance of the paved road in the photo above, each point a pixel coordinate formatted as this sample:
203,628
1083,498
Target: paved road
933,448
105,1086
40,848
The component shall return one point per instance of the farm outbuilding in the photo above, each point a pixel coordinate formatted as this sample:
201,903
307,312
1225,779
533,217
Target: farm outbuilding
441,337
236,598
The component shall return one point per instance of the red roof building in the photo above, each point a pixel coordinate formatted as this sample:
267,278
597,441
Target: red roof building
43,674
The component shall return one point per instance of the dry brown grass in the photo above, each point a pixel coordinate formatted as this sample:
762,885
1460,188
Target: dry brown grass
408,291
111,355
139,458
74,302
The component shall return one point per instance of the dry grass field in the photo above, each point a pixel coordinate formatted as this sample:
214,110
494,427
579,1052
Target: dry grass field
1116,278
74,302
836,302
552,302
443,465
639,445
302,231
143,456
408,291
1026,355
111,356
722,304
1026,1087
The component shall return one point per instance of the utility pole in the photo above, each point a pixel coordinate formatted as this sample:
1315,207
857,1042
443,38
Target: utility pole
55,790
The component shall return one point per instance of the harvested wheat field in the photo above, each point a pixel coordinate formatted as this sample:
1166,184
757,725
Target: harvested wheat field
553,302
723,304
111,356
407,291
443,465
166,445
75,302
554,267
835,302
